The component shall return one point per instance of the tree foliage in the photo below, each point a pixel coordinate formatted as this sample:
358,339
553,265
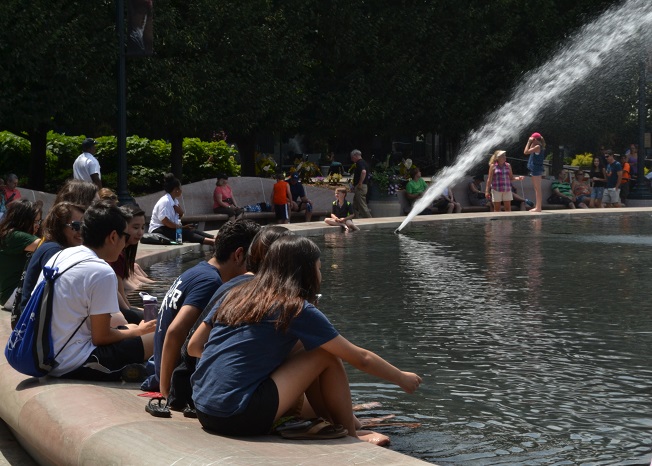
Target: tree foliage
337,70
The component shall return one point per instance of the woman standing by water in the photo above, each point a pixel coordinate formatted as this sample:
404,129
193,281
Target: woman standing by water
248,376
536,149
598,179
500,181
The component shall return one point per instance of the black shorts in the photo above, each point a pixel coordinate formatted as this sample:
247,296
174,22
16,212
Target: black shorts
106,362
281,211
256,419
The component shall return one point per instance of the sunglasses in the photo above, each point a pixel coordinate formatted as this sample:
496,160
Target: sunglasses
74,225
125,234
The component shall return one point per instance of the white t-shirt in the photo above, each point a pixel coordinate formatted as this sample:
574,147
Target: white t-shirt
86,165
88,288
163,208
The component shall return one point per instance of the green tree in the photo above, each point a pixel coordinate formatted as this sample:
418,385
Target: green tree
57,61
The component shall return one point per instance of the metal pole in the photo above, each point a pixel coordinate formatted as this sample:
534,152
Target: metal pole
123,193
642,189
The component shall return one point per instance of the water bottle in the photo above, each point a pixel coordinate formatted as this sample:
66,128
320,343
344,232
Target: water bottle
179,235
150,306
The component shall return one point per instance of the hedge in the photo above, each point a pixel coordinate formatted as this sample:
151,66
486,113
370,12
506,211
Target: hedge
147,160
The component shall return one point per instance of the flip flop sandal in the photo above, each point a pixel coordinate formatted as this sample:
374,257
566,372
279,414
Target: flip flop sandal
292,423
190,412
157,408
318,429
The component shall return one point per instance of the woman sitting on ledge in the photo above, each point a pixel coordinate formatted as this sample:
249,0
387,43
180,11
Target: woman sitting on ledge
167,213
263,354
223,200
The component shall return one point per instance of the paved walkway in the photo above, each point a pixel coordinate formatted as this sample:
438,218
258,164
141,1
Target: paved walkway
67,422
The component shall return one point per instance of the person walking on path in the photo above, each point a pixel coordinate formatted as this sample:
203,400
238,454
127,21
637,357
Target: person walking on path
536,149
87,167
360,180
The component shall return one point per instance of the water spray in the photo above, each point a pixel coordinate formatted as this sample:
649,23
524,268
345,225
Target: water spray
588,50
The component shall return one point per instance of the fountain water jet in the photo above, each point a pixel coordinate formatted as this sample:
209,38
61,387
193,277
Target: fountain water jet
545,85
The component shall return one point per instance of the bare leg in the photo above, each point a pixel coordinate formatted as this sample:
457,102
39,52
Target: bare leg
536,183
352,226
496,206
508,206
300,373
148,345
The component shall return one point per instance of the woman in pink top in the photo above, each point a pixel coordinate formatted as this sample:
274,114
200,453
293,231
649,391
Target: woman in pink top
500,181
223,200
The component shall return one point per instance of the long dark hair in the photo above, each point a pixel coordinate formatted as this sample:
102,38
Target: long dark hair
261,243
287,278
599,168
20,216
131,250
57,219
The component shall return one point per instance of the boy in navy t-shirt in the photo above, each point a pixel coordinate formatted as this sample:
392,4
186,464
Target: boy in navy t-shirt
191,292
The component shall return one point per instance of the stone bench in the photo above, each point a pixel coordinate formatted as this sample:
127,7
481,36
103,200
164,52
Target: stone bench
197,201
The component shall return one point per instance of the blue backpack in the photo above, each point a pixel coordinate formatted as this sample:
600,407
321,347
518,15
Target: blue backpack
30,349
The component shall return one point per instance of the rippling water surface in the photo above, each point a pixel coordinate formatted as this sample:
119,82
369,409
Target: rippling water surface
532,336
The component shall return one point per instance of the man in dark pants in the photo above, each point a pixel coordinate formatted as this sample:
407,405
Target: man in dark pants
360,180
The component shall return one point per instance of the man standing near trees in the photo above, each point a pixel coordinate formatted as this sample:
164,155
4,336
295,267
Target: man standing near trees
86,167
360,179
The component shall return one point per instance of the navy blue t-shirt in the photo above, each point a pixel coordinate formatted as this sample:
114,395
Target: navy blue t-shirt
236,360
194,287
297,190
612,170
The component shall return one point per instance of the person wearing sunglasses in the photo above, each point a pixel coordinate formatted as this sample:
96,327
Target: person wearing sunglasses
86,296
61,229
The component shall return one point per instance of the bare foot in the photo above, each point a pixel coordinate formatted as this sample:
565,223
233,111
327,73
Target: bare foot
373,421
371,405
373,437
535,210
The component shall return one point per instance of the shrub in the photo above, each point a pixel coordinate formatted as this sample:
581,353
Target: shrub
582,160
147,160
14,154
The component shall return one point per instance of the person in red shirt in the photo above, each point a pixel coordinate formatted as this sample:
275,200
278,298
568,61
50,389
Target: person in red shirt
281,199
11,189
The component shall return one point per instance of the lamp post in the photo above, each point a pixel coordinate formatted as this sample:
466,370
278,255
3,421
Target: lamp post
123,194
642,189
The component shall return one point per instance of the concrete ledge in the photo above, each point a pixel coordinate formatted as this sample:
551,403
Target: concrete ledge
70,422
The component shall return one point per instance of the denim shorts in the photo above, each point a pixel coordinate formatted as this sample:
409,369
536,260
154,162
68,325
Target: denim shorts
597,193
535,170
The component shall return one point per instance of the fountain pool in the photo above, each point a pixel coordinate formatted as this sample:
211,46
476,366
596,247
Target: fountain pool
532,335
